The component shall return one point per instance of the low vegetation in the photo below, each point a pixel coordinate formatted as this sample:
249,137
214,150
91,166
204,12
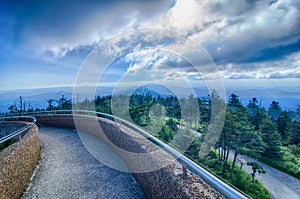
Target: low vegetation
6,144
239,179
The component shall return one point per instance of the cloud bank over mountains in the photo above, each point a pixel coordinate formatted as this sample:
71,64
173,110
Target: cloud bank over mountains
246,39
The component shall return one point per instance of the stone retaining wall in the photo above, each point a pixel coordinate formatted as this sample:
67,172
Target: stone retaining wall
163,182
17,163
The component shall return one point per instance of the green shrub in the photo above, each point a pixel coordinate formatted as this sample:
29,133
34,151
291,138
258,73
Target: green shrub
289,162
6,144
240,179
243,181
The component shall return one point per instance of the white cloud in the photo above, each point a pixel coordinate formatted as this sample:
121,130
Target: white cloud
283,68
231,31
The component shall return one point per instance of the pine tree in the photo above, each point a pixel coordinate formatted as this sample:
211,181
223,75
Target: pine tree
274,110
271,138
255,168
285,127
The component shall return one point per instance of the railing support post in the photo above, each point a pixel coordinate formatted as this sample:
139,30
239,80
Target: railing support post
184,171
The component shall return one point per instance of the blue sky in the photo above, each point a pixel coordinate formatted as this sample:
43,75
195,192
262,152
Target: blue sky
44,43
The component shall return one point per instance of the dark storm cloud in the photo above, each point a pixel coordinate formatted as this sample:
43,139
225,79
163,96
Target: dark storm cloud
277,52
61,26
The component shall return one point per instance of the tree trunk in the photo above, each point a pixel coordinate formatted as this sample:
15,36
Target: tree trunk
253,180
295,133
226,153
241,167
224,149
21,104
222,152
224,168
233,163
220,157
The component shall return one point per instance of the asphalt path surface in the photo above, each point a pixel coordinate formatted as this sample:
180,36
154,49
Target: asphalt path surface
279,184
67,170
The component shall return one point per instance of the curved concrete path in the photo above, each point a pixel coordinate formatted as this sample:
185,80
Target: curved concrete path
67,170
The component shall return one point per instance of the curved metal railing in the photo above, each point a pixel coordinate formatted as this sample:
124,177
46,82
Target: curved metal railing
29,122
225,189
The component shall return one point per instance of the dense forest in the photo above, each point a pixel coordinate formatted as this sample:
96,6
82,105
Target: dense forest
269,135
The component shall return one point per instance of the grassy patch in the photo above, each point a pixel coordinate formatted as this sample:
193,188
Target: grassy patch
288,163
240,179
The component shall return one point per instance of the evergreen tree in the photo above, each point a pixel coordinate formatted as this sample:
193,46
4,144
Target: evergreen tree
254,112
204,109
285,127
194,148
296,133
274,110
271,138
255,168
217,111
183,138
166,133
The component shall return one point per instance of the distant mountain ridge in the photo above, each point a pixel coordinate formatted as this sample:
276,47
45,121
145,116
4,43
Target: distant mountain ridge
288,98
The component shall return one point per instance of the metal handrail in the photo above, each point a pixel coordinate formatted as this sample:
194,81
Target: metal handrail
225,189
19,131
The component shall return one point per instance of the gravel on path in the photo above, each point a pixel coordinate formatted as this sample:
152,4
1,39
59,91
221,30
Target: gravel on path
67,170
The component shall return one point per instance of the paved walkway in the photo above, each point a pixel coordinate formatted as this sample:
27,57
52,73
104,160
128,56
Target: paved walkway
279,184
67,170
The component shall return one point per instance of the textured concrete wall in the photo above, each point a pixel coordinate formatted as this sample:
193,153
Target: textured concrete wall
164,182
17,163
